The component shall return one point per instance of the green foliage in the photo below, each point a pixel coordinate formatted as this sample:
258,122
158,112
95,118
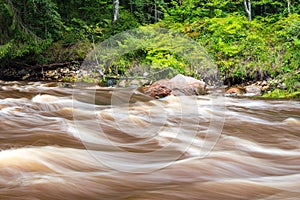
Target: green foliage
25,35
146,11
241,48
160,59
47,31
150,61
126,21
59,52
192,10
279,93
274,9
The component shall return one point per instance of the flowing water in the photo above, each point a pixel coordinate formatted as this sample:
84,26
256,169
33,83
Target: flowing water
103,143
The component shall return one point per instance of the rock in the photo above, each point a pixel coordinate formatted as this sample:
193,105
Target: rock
282,86
252,90
145,82
134,82
23,72
178,86
185,85
26,76
146,74
265,88
65,70
158,89
110,82
122,83
264,83
233,92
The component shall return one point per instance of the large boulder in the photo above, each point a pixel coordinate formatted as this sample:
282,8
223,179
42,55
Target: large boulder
180,85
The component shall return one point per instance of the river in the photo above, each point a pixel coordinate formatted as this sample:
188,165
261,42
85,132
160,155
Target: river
103,143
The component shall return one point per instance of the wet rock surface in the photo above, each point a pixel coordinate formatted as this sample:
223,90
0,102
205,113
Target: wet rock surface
180,85
250,89
233,92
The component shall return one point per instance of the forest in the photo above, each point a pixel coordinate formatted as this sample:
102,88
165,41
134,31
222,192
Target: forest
248,40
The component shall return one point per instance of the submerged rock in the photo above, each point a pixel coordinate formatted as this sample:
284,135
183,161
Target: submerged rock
180,85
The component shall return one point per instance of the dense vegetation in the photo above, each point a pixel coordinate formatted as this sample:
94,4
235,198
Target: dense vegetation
247,40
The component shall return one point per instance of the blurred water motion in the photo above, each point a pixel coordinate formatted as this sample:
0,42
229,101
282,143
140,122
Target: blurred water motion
45,133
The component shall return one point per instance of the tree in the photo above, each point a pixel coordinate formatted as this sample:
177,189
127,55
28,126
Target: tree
146,11
247,4
29,27
289,6
115,10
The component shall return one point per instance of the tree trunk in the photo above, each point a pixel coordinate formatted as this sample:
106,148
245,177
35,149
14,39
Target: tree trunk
289,6
115,10
155,12
247,4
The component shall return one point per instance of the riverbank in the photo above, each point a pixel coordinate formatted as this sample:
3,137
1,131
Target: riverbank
70,72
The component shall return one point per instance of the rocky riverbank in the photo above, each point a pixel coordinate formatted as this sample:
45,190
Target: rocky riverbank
179,85
66,72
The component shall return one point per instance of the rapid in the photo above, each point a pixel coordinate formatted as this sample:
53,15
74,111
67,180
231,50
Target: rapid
65,142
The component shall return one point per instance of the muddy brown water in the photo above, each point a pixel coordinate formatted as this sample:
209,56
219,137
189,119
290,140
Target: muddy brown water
102,143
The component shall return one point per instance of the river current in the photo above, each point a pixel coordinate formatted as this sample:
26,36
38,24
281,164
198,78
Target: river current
63,142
